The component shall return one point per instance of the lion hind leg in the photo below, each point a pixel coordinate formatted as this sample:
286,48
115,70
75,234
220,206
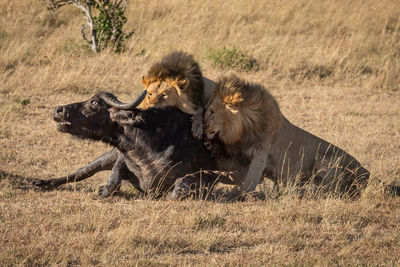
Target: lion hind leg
339,176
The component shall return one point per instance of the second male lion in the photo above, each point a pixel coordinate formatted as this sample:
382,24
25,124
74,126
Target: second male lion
259,141
177,81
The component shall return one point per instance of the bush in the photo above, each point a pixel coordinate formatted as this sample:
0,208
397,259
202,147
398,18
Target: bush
232,58
105,26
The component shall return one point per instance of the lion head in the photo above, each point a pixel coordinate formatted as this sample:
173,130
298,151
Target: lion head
240,112
177,81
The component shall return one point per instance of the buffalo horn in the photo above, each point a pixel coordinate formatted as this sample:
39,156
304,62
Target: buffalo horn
110,99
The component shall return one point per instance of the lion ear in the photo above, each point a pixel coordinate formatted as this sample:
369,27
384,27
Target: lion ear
232,109
233,100
182,84
145,81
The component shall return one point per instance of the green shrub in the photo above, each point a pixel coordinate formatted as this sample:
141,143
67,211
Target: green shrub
108,25
105,25
232,58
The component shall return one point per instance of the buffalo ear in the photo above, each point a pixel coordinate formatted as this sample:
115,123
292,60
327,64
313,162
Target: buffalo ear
123,117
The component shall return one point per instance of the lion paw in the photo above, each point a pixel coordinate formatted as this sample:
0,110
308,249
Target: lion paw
208,145
197,131
216,150
197,125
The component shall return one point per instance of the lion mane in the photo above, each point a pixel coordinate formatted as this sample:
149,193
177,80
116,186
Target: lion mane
183,73
250,116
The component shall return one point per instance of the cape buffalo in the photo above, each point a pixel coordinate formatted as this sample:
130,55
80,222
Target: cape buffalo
155,149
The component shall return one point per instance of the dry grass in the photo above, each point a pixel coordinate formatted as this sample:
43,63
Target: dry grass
333,66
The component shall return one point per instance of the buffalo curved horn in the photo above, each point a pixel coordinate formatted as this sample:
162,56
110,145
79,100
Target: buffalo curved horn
110,99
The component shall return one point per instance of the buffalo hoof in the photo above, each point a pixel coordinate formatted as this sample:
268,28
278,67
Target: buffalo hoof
181,190
44,184
106,191
235,194
103,191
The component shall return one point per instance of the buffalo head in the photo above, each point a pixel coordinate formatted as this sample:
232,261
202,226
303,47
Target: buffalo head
91,118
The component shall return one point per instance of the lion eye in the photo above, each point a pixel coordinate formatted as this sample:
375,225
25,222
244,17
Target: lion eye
149,94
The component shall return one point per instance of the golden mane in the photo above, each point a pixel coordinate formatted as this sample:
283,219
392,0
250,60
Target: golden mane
179,68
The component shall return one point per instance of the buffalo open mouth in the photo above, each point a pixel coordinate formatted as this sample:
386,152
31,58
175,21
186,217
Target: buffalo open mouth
63,126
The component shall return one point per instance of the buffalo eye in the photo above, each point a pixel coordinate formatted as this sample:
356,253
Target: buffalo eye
211,113
93,103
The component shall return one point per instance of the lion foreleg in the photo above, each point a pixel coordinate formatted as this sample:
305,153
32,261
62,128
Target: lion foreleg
197,124
254,171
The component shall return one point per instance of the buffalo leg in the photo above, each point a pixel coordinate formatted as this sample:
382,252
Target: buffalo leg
104,162
187,186
119,172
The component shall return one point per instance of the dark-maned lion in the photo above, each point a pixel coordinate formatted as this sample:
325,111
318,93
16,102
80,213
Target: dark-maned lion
177,81
259,141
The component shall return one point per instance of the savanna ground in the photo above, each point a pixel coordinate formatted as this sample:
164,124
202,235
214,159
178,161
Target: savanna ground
333,67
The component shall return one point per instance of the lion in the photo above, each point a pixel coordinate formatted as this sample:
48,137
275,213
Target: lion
177,81
258,141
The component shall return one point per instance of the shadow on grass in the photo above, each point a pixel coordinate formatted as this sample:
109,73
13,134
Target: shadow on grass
218,194
20,182
15,181
23,183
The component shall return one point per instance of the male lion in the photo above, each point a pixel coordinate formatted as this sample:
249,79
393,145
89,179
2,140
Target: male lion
177,81
259,141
